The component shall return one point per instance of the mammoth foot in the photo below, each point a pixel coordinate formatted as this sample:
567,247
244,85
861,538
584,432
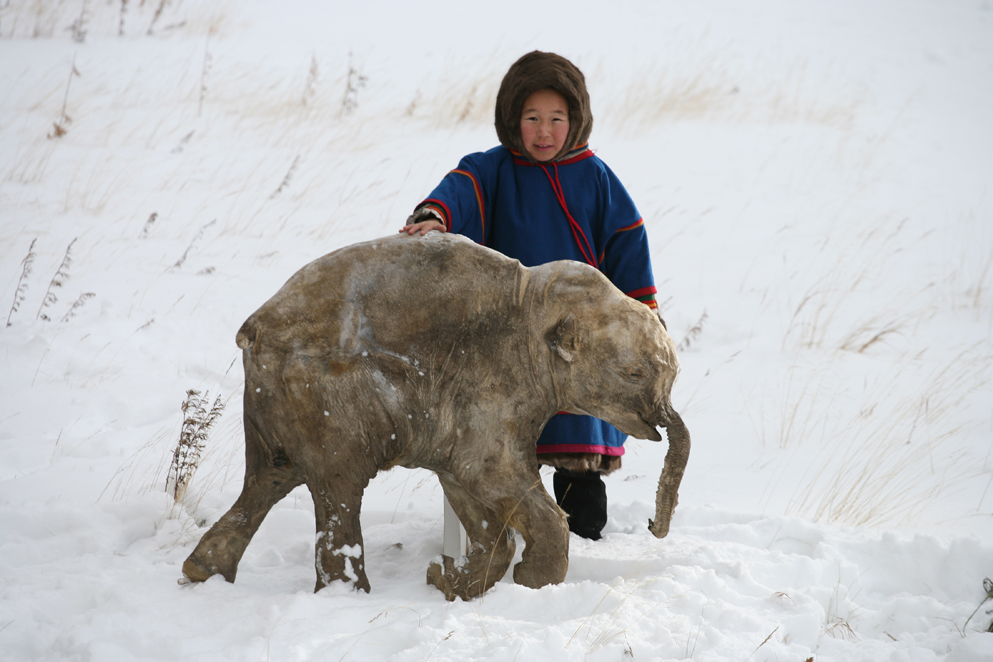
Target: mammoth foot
456,581
195,570
215,555
536,572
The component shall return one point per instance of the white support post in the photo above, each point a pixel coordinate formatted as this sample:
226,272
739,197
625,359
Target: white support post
456,539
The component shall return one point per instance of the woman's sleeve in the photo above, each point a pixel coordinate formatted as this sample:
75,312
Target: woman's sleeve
459,201
626,259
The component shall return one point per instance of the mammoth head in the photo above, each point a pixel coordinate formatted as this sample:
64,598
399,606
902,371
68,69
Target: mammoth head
613,359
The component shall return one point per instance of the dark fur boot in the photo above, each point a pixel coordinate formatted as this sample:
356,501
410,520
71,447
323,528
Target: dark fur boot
583,497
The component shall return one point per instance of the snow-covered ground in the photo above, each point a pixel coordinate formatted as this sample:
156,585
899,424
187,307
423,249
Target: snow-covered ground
817,180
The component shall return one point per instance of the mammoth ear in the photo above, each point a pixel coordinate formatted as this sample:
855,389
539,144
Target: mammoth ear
563,338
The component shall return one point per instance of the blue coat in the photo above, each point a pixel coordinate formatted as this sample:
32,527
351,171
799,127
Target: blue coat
572,209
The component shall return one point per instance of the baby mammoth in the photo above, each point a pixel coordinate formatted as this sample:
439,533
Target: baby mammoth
435,352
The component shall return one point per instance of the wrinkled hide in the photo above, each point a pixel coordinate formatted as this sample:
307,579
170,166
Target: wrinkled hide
434,352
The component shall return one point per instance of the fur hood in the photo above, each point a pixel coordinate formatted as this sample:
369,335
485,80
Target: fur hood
537,71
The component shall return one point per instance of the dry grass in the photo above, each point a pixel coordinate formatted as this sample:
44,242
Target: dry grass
79,303
851,266
131,478
887,453
628,610
806,398
61,125
841,612
182,259
20,293
698,78
35,18
58,280
692,334
988,589
462,93
204,71
150,468
197,421
80,19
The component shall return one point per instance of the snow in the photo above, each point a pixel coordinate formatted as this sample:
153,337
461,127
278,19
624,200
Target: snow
817,183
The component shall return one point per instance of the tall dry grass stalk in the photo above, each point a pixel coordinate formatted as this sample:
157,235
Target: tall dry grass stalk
197,421
156,16
58,280
310,88
841,611
692,334
126,478
988,589
179,263
204,70
182,143
22,283
78,27
149,224
83,298
120,22
354,81
286,180
984,282
61,125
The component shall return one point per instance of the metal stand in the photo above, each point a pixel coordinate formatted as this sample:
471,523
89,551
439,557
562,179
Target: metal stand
456,539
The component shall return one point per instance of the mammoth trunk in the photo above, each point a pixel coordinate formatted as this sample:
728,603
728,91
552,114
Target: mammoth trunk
675,463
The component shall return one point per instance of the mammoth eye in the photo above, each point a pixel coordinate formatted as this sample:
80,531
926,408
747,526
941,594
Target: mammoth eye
635,374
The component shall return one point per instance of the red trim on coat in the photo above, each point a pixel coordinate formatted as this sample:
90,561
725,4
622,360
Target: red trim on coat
585,247
634,294
634,225
479,197
581,448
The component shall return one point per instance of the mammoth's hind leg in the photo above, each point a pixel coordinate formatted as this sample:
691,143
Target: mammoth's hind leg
269,476
339,550
491,548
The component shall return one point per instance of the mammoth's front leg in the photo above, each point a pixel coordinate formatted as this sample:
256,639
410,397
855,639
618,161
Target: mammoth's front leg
491,547
514,492
339,552
546,534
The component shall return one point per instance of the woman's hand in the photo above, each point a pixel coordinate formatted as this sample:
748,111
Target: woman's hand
423,227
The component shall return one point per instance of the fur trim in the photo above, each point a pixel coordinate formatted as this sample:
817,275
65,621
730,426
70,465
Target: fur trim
582,462
425,213
538,71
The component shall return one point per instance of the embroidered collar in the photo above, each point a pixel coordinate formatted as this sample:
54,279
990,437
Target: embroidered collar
577,154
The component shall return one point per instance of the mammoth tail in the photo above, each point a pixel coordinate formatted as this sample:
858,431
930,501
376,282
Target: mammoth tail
672,474
248,334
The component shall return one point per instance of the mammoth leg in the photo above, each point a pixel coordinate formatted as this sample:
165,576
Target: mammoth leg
491,548
339,551
546,534
269,476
